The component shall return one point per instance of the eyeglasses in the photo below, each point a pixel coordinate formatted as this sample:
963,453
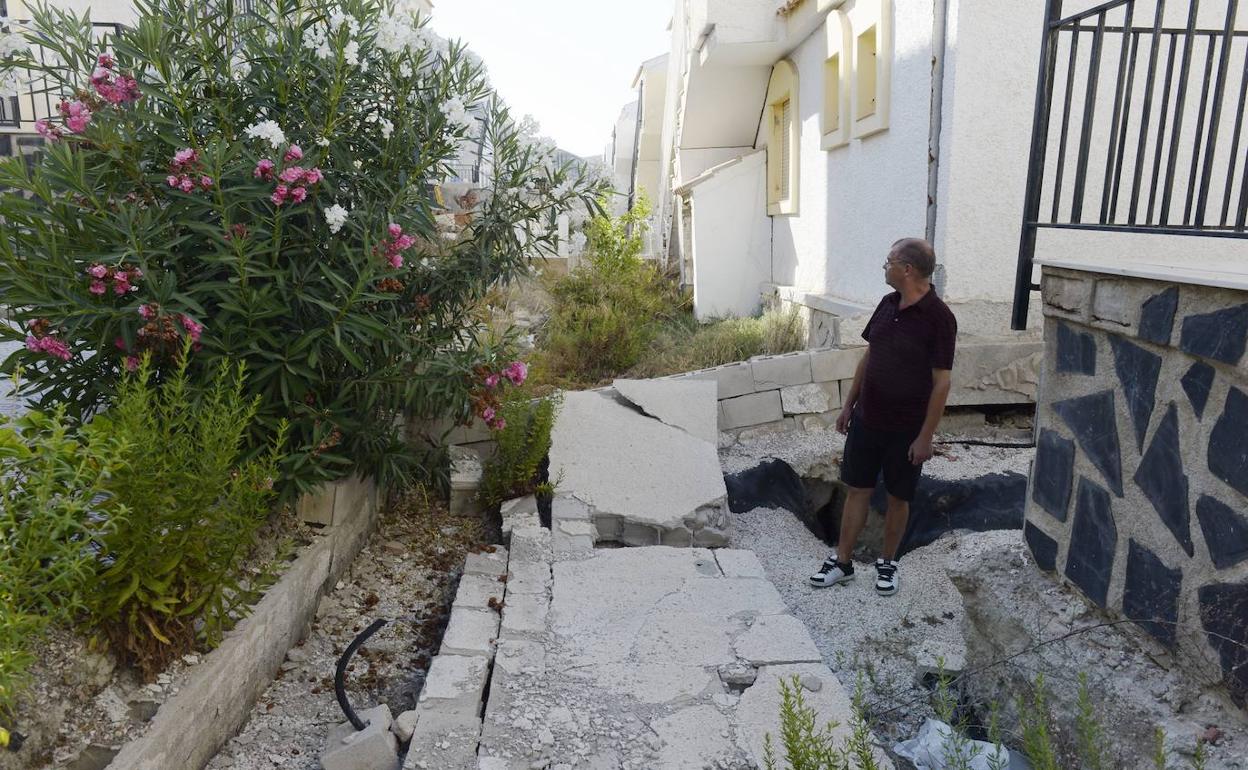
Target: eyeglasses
890,262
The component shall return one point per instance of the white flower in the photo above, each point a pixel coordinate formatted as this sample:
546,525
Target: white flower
405,68
577,243
387,128
11,84
457,114
351,53
322,141
269,131
11,43
336,217
358,164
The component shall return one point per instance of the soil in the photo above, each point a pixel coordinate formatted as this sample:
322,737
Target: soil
408,572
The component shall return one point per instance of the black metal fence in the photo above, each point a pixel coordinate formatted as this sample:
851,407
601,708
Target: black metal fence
1138,124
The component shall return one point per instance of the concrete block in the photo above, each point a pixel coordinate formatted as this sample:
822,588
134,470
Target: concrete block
835,364
530,544
470,632
632,533
571,546
711,537
454,685
317,507
1065,293
776,639
528,578
607,527
733,379
754,409
404,725
520,512
678,538
476,591
778,371
489,564
524,616
739,563
811,398
564,508
444,743
1114,301
373,748
786,425
996,372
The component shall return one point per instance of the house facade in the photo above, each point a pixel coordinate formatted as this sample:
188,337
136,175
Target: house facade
801,139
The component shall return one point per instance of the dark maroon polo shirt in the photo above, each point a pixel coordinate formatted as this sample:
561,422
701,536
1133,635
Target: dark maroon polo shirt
905,345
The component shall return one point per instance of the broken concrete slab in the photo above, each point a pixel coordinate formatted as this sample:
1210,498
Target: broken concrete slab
811,398
686,404
487,563
739,563
519,512
627,465
444,744
524,616
470,632
373,748
694,737
530,544
777,639
527,578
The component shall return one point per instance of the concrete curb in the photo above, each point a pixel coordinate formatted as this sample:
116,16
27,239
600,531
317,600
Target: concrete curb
217,698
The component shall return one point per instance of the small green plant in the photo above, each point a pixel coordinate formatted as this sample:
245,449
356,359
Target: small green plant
1000,757
523,442
51,484
192,505
809,747
1038,742
1159,748
959,752
1091,735
685,344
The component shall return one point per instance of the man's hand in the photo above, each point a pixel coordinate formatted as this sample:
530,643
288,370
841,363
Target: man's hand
920,450
842,420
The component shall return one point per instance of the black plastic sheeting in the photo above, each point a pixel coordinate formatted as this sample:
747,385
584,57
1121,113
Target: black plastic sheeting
991,502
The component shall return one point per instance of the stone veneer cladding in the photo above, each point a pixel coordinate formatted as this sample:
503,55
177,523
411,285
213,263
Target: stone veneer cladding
1140,489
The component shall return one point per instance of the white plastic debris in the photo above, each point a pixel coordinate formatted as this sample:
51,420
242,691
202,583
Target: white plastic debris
928,751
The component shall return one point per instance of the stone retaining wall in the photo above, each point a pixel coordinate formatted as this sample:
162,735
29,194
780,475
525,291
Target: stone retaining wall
1139,492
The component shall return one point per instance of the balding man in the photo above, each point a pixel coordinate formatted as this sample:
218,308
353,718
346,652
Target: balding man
893,408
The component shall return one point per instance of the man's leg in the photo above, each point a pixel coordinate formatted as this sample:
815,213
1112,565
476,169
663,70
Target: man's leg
895,520
853,519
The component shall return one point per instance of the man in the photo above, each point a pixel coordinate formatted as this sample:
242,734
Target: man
893,407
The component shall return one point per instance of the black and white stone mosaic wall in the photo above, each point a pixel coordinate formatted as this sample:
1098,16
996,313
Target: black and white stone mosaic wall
1139,492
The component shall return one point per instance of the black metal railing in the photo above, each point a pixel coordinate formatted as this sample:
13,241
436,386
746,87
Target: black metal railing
1166,153
41,97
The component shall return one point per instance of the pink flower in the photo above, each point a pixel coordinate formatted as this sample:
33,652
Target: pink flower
185,157
264,169
136,273
50,345
119,343
394,230
32,344
121,288
395,260
132,363
312,176
291,175
186,185
516,371
77,115
147,311
172,180
97,271
106,60
405,242
121,276
98,287
487,414
294,152
100,75
298,195
78,123
499,424
193,329
492,381
205,182
279,195
47,130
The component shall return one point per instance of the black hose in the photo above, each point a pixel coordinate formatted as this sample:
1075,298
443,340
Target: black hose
340,675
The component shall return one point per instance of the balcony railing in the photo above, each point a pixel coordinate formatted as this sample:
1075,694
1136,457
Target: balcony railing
1138,125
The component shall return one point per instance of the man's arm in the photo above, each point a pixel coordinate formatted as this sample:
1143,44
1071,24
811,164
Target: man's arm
842,420
921,449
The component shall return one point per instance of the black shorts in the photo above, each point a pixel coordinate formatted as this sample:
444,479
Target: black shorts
868,452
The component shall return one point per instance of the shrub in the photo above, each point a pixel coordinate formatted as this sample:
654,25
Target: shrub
264,185
523,442
608,310
185,508
51,482
809,747
686,345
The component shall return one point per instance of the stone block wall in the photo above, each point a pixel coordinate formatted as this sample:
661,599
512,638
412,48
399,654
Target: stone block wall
1139,492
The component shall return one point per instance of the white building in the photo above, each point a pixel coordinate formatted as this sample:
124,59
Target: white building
800,139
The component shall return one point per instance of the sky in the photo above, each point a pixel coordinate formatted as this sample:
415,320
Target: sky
568,63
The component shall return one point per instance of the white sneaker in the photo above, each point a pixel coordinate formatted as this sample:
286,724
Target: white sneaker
886,580
832,573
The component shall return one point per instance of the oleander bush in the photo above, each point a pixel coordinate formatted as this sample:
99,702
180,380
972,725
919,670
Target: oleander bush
264,187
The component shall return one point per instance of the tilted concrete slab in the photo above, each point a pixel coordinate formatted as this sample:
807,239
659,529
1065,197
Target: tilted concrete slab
662,483
629,673
686,404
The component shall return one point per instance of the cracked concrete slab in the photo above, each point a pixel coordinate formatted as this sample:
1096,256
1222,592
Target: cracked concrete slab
644,653
662,483
691,405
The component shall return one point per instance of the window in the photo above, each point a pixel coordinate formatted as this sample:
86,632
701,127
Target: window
783,140
871,25
836,82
